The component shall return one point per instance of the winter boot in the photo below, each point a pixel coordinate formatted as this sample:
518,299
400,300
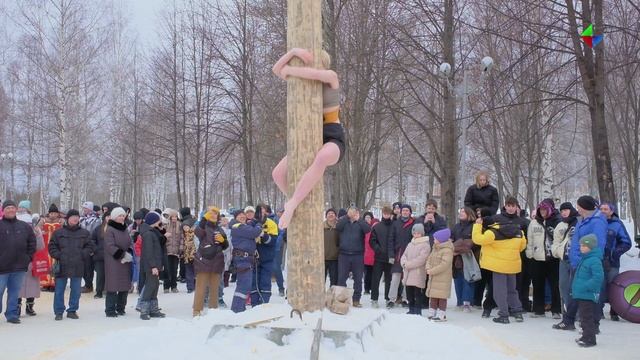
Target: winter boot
417,310
501,319
431,313
72,315
19,307
486,313
412,310
29,309
441,316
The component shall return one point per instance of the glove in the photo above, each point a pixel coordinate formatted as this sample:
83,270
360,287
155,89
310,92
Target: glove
127,258
392,261
218,238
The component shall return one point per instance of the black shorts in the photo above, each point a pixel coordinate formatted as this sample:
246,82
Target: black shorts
334,133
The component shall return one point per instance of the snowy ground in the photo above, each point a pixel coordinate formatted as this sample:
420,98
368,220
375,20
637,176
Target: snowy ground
179,336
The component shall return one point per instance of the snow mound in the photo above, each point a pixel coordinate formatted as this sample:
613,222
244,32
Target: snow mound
398,336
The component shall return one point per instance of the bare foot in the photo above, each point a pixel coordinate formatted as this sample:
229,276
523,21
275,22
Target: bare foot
285,219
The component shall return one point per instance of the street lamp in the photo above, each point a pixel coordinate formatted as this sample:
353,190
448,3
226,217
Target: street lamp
464,90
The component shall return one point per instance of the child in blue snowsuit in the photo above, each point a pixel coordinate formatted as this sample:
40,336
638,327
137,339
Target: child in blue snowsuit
587,283
243,238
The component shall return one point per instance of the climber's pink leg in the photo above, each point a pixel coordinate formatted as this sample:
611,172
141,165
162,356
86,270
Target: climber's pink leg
328,155
279,175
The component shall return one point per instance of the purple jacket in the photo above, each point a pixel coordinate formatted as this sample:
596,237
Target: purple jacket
207,238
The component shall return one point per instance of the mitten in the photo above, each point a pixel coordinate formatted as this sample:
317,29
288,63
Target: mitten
127,258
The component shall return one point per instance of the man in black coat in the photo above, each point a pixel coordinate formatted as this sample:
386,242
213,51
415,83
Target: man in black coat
70,246
482,195
352,230
151,263
379,242
17,246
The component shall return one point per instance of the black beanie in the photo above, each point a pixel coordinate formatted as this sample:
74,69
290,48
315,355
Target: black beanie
138,215
342,212
53,209
96,208
8,203
72,212
566,206
184,212
587,202
406,206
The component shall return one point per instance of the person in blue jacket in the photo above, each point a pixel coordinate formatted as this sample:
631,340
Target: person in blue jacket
592,222
586,287
243,239
618,243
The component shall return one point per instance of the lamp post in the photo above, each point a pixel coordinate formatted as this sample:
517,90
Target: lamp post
4,158
463,91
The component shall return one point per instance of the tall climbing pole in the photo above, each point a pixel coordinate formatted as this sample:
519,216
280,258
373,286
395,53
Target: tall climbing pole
305,239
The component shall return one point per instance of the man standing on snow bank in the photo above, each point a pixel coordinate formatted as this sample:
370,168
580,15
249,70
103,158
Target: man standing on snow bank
17,246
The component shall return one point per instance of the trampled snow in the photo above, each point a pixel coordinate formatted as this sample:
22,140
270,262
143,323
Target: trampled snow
179,336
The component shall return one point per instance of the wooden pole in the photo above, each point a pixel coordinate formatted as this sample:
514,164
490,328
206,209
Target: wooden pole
305,244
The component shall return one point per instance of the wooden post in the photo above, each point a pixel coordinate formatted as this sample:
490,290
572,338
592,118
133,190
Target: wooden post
305,239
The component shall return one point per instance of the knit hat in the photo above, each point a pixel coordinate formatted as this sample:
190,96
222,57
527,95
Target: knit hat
406,206
73,212
418,228
249,209
25,204
117,212
88,205
209,214
237,212
8,203
53,208
566,206
587,202
151,218
590,241
342,212
138,215
330,210
442,235
96,208
396,204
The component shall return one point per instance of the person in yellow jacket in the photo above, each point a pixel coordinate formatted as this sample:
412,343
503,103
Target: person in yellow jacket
501,246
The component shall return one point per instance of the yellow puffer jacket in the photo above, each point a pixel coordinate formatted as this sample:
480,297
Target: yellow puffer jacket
499,255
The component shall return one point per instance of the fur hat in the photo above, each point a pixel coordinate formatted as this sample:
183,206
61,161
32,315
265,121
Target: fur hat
249,209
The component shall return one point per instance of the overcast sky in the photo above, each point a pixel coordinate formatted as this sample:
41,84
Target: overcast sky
144,17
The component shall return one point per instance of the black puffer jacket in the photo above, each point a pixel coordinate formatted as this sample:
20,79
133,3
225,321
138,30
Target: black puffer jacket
70,246
352,236
485,197
380,234
153,252
17,245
